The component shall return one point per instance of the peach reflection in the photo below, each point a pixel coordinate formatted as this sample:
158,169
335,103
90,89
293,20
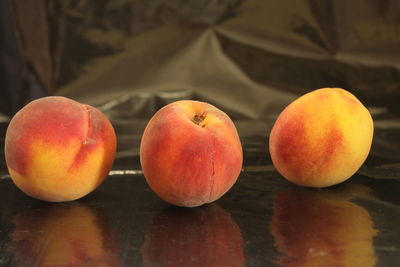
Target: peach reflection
63,234
323,228
204,236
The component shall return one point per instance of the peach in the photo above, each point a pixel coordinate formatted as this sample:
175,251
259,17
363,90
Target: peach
203,236
66,234
190,153
323,228
57,149
322,138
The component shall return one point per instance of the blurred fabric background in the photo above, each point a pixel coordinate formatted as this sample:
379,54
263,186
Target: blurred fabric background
248,57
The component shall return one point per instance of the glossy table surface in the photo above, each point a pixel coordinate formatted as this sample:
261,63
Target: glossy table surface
262,221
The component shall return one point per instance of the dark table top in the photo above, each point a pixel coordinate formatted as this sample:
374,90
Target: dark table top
262,221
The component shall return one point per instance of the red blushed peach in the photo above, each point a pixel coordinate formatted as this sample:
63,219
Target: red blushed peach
203,236
66,234
323,228
190,153
322,138
57,149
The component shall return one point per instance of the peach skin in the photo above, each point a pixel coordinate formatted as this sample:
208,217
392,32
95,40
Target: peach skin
190,153
57,149
322,138
323,228
203,236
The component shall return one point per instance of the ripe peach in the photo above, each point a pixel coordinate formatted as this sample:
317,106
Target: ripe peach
323,228
322,138
190,153
66,234
57,149
204,236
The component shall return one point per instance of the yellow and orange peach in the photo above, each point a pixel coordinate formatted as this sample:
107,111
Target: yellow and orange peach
190,153
322,138
57,149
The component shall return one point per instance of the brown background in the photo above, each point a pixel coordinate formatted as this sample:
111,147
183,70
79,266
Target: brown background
248,57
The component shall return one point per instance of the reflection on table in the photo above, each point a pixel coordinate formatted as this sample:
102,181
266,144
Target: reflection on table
204,236
321,227
63,234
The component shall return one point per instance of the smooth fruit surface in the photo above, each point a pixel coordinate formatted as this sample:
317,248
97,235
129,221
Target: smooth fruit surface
322,138
57,149
190,153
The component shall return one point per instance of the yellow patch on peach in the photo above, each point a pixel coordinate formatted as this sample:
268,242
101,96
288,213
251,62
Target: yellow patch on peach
322,138
58,180
58,150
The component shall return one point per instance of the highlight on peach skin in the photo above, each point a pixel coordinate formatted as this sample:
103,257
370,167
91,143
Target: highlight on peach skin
57,149
63,234
190,153
197,237
322,138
